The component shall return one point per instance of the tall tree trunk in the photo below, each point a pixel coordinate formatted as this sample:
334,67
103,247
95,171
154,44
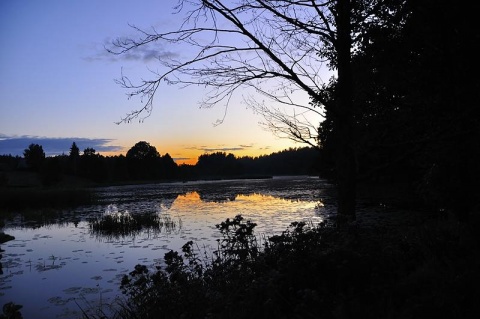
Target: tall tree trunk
344,118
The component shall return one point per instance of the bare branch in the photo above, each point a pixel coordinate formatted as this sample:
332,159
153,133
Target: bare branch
296,127
261,43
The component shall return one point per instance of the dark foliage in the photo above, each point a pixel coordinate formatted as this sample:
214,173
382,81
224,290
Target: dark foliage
218,164
25,198
416,120
34,156
11,311
314,272
144,163
49,172
293,161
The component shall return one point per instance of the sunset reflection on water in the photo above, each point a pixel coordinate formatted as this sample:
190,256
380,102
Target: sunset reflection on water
53,264
272,214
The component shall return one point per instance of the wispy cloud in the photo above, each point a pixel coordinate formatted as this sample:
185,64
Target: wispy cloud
15,145
220,148
223,149
246,145
143,54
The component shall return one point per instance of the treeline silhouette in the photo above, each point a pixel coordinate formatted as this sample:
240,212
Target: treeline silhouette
417,122
143,162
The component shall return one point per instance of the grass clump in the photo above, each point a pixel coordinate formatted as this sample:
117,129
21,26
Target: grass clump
314,272
122,224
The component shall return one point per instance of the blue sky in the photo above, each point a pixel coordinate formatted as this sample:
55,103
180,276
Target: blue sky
57,86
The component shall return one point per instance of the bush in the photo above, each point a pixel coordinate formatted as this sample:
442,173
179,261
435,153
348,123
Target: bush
313,272
238,279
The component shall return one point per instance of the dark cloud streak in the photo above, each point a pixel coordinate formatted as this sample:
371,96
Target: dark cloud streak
15,145
144,54
221,148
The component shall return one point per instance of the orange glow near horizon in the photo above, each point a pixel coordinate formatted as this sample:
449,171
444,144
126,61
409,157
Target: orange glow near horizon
189,158
189,155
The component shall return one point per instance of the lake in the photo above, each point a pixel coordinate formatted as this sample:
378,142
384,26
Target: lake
60,264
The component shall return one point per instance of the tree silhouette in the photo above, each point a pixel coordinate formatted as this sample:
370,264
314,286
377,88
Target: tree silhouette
413,127
92,165
219,165
142,150
74,151
34,156
117,168
74,158
168,167
51,170
143,161
273,47
89,151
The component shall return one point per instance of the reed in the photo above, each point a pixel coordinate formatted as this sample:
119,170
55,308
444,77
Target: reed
123,224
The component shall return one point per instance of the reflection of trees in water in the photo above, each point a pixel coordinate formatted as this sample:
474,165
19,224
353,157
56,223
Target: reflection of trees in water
115,225
148,200
34,219
131,199
167,200
164,195
221,192
216,197
284,188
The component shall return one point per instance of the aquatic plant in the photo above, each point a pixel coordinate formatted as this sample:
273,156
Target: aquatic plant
114,224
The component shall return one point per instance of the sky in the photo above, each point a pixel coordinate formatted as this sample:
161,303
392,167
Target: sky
57,86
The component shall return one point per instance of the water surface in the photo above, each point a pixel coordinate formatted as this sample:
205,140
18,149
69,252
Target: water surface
58,266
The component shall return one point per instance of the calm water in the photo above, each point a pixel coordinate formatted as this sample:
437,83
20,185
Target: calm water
57,266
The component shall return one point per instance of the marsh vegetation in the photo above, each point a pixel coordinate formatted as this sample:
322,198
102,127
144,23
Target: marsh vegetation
115,225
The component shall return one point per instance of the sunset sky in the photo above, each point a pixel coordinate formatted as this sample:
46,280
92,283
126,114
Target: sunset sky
57,86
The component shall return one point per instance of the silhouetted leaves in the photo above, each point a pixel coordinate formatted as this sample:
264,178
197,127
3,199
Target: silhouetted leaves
415,121
34,156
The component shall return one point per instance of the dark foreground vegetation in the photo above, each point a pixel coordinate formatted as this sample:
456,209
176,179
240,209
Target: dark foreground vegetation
427,270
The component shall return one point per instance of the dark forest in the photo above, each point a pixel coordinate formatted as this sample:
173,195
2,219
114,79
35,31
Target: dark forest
143,163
